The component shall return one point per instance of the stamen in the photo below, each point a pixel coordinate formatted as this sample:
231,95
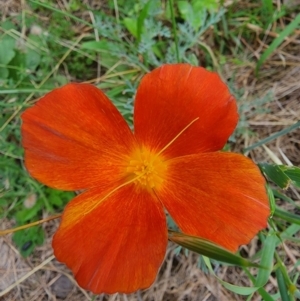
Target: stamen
149,167
162,150
111,192
4,232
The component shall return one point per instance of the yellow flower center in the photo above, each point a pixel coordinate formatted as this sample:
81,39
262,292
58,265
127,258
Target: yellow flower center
147,168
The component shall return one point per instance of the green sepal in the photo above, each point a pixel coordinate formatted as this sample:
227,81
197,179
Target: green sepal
209,249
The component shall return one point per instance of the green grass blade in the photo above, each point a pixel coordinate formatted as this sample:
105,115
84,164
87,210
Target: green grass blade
273,46
287,216
266,260
282,286
272,137
265,295
285,198
241,290
271,199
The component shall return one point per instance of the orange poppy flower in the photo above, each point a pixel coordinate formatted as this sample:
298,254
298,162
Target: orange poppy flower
114,235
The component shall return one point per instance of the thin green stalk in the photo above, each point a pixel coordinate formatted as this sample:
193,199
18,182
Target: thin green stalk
282,286
276,135
292,289
266,296
288,29
174,30
287,216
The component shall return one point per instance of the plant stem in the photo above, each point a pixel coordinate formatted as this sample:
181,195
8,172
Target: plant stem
174,30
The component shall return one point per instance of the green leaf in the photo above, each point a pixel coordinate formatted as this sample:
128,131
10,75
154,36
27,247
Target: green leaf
275,174
282,175
102,45
211,5
27,214
7,52
209,249
185,10
26,240
293,173
131,26
192,14
33,57
58,198
3,72
141,19
109,51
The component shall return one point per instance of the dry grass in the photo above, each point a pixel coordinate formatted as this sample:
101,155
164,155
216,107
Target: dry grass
180,277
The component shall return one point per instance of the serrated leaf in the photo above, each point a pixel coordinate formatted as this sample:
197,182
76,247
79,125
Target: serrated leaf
209,249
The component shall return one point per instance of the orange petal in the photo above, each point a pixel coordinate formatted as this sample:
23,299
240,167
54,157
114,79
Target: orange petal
217,196
114,245
171,97
75,138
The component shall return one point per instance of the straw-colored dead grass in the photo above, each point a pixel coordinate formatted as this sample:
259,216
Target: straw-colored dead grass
179,279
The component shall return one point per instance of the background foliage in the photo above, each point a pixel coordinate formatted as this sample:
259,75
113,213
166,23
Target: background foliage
112,44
